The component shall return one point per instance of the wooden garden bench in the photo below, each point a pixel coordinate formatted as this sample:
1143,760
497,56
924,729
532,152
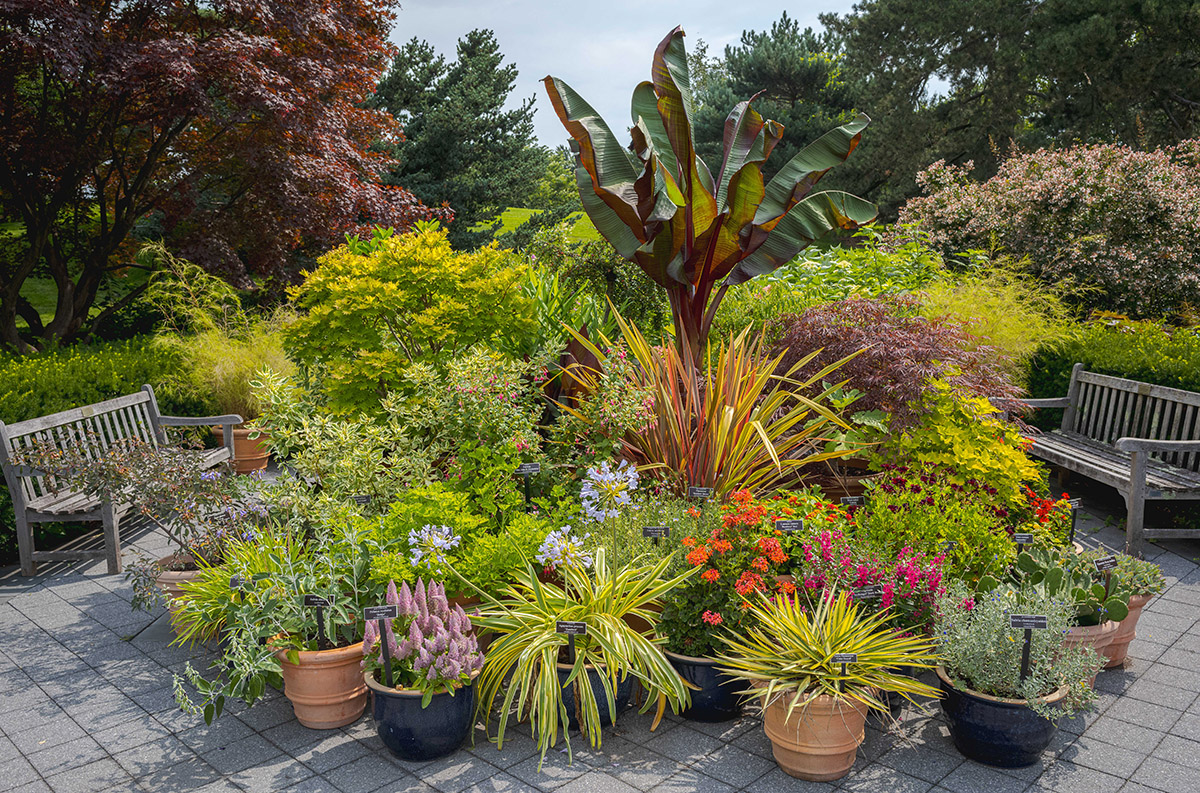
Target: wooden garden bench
1142,439
35,497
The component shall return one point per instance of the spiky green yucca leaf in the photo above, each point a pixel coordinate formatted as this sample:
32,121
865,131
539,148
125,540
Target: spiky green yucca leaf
789,652
523,660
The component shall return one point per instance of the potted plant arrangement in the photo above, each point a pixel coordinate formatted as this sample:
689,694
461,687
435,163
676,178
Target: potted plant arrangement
816,667
1001,711
1139,581
289,611
564,656
422,695
731,563
1098,597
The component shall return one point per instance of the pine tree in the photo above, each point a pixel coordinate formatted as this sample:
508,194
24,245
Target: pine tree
460,145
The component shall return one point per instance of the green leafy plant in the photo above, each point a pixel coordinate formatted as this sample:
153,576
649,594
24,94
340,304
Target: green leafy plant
523,660
981,651
787,652
1097,597
658,204
728,426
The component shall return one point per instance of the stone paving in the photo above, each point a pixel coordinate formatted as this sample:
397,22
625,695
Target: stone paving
86,705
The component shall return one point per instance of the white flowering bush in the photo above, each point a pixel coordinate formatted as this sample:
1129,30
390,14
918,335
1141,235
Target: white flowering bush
1119,222
982,652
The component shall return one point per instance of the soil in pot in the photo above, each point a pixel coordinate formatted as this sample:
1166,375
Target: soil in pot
1005,733
717,697
326,687
819,740
624,689
1098,637
417,734
1118,648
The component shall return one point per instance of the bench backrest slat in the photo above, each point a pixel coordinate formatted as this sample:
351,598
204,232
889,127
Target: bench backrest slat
1105,408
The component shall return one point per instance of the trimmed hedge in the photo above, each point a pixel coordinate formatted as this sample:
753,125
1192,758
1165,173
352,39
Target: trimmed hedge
1141,351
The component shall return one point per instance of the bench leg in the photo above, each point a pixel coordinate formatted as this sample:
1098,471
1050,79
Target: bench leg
112,537
1135,501
25,542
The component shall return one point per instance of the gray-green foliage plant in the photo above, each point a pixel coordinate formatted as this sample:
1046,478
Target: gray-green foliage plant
981,651
1059,572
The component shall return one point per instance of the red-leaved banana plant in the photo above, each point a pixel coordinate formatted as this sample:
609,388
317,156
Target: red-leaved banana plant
658,204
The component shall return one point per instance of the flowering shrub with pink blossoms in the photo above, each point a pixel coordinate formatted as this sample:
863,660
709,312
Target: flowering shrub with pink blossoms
1122,222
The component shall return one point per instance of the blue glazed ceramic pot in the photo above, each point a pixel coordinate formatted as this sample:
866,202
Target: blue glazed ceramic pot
1000,732
621,696
718,698
414,733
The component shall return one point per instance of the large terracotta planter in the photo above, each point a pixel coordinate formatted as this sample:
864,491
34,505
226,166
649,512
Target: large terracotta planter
994,730
249,454
326,687
820,739
1098,637
1118,648
416,733
169,582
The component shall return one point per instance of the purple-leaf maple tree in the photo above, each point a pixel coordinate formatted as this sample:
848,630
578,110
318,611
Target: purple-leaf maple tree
234,130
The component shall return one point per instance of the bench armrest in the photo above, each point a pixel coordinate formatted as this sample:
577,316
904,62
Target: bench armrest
199,421
1151,445
1053,402
25,470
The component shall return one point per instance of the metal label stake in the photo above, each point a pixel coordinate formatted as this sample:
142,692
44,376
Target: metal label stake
843,659
381,614
1029,623
526,471
320,604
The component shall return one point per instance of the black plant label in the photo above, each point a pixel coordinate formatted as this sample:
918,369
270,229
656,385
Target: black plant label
317,601
844,658
1106,563
1028,621
529,469
571,627
1023,538
701,493
386,612
789,525
854,501
656,531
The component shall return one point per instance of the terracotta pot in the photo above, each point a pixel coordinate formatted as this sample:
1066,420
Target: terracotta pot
1098,637
326,688
1118,648
820,739
249,454
995,730
169,582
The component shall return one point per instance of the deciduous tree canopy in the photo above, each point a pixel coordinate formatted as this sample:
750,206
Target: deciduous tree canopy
236,130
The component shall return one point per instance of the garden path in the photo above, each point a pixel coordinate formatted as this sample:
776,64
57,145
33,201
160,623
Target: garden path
86,704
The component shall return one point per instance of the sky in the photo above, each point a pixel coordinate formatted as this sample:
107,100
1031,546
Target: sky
601,48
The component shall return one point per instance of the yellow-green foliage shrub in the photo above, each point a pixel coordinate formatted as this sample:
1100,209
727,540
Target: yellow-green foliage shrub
371,309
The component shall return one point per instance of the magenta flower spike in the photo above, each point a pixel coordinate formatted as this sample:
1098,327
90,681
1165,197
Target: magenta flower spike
407,606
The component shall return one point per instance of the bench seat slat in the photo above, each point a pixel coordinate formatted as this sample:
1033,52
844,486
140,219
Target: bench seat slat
1110,466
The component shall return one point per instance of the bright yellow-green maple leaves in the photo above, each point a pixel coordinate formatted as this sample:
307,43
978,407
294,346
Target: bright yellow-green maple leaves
369,311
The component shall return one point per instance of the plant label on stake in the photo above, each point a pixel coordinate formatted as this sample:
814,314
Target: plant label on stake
1029,623
571,628
700,493
238,582
380,614
525,471
656,532
843,659
854,501
789,525
320,604
868,592
1075,504
949,545
1106,564
1022,538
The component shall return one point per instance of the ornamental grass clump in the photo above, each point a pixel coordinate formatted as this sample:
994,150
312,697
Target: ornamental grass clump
432,647
787,652
981,651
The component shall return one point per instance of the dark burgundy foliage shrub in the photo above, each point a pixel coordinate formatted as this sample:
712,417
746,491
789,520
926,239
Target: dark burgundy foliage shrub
902,353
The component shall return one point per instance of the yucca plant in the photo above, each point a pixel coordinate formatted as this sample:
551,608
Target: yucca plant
732,424
659,205
523,659
789,652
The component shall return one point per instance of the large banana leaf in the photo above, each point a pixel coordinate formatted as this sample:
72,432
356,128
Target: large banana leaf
658,204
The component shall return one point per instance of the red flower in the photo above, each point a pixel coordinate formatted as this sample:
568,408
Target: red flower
711,575
712,618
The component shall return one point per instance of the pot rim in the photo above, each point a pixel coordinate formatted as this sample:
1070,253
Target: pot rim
1049,699
693,659
1107,626
321,656
376,686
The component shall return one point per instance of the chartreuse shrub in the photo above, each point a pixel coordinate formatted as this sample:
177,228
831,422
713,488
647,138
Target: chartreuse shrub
47,382
371,309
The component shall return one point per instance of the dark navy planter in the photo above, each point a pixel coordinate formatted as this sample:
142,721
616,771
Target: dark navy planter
1000,732
718,698
414,733
620,696
895,702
